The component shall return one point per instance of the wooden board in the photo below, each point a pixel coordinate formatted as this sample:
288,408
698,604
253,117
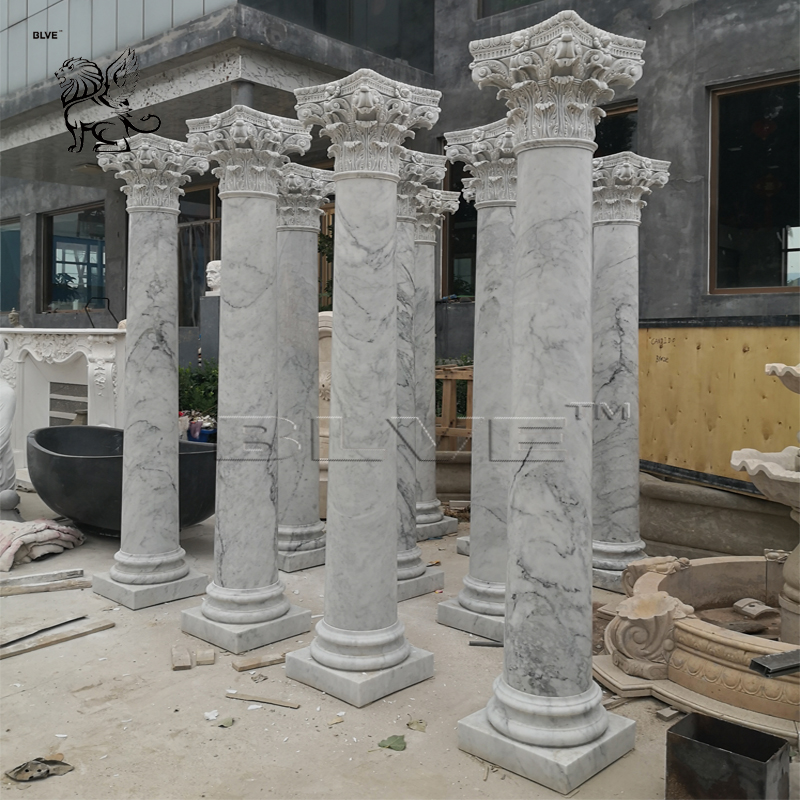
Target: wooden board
42,577
9,636
181,658
34,588
703,393
253,699
255,662
54,638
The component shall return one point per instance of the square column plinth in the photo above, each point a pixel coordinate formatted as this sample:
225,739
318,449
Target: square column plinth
558,768
454,615
359,688
241,638
300,559
433,530
430,580
142,595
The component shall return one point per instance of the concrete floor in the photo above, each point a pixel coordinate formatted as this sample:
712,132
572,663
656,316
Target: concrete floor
136,729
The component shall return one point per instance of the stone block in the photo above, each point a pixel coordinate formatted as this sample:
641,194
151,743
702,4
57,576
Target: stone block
432,530
136,596
462,545
431,580
454,615
241,638
301,559
359,688
559,768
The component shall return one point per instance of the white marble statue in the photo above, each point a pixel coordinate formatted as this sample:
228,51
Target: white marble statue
213,277
9,499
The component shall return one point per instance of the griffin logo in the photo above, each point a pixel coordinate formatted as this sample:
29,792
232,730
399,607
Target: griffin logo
85,87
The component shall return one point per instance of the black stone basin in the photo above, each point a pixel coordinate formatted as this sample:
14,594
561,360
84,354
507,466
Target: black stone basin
77,471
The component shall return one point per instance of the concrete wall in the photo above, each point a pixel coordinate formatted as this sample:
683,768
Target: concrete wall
455,329
692,46
29,200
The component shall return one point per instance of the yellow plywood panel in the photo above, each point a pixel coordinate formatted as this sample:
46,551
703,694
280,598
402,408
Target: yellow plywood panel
703,393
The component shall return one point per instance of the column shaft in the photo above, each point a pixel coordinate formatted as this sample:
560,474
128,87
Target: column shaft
301,534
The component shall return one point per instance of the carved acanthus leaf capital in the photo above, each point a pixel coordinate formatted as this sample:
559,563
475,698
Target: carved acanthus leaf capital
488,154
663,565
432,205
249,146
367,117
301,192
417,170
554,75
621,181
154,170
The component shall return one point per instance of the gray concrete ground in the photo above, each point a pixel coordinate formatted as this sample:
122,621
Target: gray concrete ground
133,728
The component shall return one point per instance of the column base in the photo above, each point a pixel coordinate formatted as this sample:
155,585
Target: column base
432,530
300,559
142,595
558,768
430,580
359,688
462,545
452,614
241,638
608,579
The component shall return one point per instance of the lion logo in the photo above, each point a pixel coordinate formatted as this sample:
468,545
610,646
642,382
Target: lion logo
85,87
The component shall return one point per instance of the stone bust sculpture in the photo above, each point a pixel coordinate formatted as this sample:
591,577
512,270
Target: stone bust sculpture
213,277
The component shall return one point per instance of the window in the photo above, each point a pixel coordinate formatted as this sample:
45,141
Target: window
486,8
755,191
460,238
198,243
617,132
75,260
399,29
9,266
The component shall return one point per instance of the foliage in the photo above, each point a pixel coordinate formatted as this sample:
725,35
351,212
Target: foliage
325,249
326,297
197,389
62,291
463,288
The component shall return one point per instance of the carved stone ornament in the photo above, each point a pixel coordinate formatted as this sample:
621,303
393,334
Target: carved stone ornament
488,155
249,146
554,75
301,192
213,278
664,565
54,348
154,171
417,170
432,205
621,181
640,637
367,117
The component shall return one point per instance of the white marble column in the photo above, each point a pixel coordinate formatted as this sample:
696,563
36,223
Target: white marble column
149,567
545,719
431,522
245,606
488,153
360,652
620,182
301,533
417,170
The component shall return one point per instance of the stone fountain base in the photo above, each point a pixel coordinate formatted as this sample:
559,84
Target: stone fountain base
659,647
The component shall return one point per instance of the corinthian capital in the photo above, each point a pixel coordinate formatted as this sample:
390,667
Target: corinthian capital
620,182
432,205
488,155
154,170
367,117
249,146
417,170
554,75
301,192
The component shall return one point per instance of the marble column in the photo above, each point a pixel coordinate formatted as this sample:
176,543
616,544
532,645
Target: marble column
301,533
245,606
620,182
149,567
417,170
360,652
488,153
431,522
546,720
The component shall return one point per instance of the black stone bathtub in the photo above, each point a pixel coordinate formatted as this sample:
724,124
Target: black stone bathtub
77,471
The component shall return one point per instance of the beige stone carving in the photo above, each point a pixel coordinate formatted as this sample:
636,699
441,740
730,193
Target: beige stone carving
663,565
639,638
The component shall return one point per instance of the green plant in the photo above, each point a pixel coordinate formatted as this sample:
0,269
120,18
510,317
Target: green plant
197,389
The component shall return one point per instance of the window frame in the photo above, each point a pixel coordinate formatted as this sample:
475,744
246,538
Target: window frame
715,92
47,258
15,221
